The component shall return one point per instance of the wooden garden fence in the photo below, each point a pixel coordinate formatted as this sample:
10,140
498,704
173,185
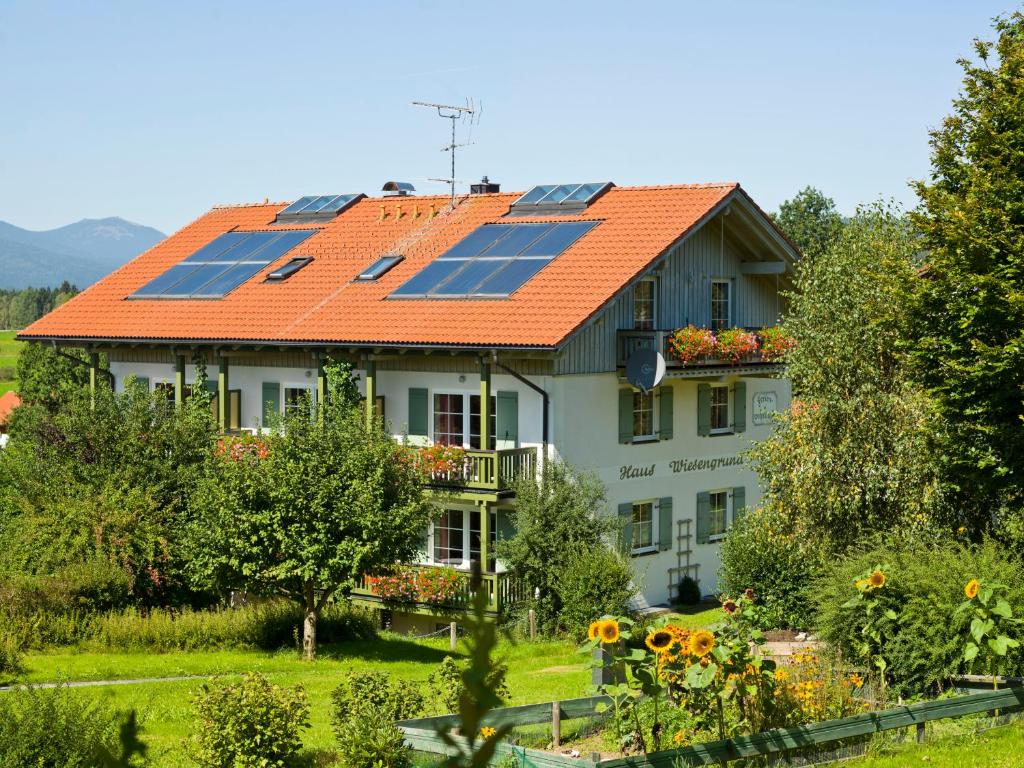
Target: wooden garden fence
421,734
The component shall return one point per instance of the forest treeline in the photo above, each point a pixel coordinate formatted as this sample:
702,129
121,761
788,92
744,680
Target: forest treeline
19,308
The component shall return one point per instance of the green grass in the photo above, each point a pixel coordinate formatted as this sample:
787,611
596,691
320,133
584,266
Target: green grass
9,350
697,616
996,748
540,671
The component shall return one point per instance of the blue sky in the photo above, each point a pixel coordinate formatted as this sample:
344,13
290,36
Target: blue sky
156,111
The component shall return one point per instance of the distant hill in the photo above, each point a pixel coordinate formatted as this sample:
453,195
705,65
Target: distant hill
80,253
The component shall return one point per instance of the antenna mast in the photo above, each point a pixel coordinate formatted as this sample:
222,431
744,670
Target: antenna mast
454,114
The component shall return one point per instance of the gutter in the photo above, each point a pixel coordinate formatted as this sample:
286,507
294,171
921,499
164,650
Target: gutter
536,388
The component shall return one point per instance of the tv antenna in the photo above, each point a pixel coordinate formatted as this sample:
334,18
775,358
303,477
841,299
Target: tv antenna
453,113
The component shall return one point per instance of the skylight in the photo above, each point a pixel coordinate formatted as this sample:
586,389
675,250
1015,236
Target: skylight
379,267
219,267
315,207
493,261
289,268
550,198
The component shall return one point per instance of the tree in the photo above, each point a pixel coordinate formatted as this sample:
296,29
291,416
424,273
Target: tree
810,220
555,516
855,452
48,378
969,311
308,508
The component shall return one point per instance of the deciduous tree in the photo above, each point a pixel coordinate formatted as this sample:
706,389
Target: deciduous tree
810,220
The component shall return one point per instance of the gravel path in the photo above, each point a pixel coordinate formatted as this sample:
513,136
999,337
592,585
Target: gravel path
89,683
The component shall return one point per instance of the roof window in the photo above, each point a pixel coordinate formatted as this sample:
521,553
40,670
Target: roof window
289,268
548,199
379,267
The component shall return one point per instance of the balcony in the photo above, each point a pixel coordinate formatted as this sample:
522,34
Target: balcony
629,341
502,593
484,471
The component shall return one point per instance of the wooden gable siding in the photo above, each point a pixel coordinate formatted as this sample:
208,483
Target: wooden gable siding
683,297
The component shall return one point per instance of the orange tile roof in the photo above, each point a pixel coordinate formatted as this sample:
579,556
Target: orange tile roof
321,304
8,402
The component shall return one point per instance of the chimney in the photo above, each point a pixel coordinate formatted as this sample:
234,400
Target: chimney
397,188
484,187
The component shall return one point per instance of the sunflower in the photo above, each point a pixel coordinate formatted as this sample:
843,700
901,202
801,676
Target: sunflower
701,643
856,680
609,631
971,589
659,641
750,594
729,606
876,579
593,630
861,584
487,732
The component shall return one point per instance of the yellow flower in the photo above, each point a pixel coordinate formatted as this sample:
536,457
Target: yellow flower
487,732
861,584
856,680
876,580
962,530
971,589
659,641
609,631
781,675
680,739
701,643
592,631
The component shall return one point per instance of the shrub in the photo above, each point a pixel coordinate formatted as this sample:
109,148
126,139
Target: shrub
371,743
762,553
55,729
377,692
926,585
10,655
593,581
92,585
249,724
688,591
446,683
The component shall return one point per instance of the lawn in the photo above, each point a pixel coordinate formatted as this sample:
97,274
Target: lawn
997,748
538,671
9,349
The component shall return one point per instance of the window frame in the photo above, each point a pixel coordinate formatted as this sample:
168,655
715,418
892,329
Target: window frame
726,514
652,547
727,429
435,526
652,323
286,407
468,433
728,320
651,436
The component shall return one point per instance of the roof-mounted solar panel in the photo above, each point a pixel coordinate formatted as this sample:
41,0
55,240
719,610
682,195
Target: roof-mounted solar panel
379,267
548,199
317,207
219,267
289,268
493,261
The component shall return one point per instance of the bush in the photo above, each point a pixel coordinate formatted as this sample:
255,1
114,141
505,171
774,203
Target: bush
55,729
371,743
926,585
688,591
446,685
93,585
762,553
250,724
10,655
593,581
365,708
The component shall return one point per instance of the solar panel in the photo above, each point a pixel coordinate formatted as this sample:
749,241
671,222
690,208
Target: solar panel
379,267
494,260
219,267
561,196
318,205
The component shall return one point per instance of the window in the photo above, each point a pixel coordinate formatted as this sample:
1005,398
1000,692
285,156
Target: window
166,389
719,514
643,415
474,537
719,409
643,305
720,318
474,422
293,398
448,420
448,538
643,526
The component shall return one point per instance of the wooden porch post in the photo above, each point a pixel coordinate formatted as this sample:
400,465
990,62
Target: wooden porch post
321,382
179,379
485,405
371,390
485,537
223,394
94,377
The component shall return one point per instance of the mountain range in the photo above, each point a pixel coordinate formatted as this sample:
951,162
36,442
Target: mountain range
80,253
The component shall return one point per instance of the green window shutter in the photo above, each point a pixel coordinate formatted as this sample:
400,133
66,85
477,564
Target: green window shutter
739,502
739,407
507,418
703,410
271,401
703,517
665,414
665,523
506,527
143,381
626,416
626,525
418,412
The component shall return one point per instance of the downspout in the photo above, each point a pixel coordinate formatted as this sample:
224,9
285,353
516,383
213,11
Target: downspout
536,388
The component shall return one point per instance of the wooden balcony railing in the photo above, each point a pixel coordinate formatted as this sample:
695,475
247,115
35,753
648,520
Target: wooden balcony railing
488,470
502,593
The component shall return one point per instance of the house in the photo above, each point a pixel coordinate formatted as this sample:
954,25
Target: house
502,324
8,402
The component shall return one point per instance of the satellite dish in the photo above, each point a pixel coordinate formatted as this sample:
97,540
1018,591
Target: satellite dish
645,369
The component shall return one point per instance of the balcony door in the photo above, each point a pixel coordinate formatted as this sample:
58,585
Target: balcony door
455,538
457,420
